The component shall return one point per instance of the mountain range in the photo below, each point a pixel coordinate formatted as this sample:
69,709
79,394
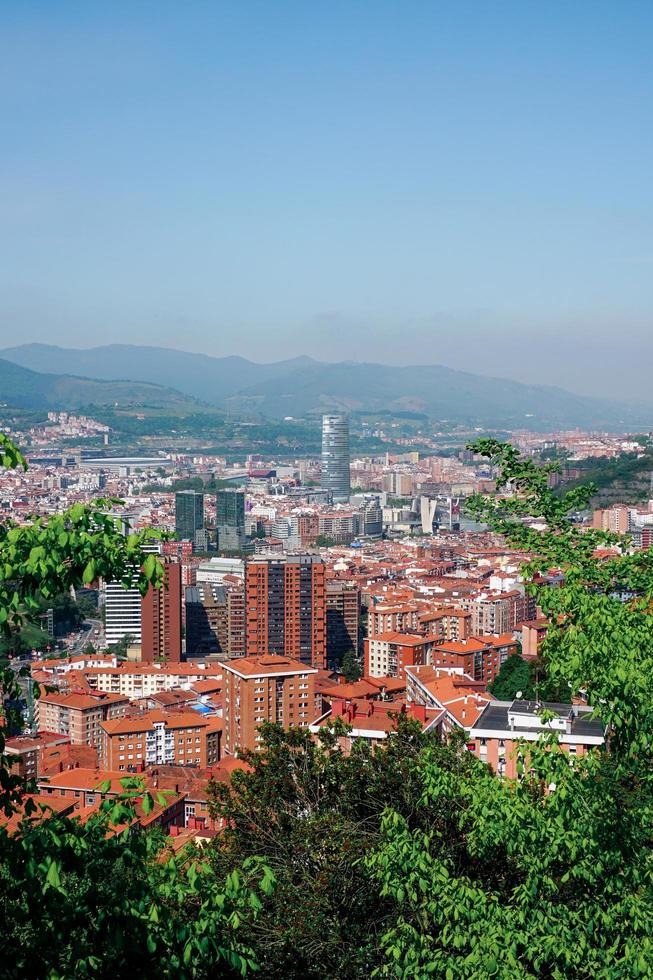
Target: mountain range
299,387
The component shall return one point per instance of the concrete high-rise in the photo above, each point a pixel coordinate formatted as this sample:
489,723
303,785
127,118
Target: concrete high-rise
189,514
335,456
285,608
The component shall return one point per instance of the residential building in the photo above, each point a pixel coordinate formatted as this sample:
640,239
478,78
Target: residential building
374,721
138,680
446,624
616,519
388,654
339,526
160,737
335,457
269,688
285,601
122,613
78,716
480,657
343,605
501,733
215,621
161,618
497,612
26,752
449,689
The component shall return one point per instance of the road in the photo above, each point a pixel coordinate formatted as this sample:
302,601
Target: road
86,635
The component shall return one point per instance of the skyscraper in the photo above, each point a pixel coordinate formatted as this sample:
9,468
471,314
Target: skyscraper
335,456
189,514
285,608
230,519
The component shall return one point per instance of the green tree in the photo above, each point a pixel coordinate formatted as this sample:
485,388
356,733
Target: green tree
313,813
550,875
120,647
351,667
100,899
514,676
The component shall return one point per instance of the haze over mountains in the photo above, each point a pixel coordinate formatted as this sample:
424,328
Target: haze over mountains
303,386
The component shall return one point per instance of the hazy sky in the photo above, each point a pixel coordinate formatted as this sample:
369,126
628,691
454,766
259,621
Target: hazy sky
415,181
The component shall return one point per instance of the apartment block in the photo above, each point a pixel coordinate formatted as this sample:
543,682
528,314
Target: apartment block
161,618
215,621
135,680
343,604
503,730
286,608
497,612
270,688
78,716
446,624
181,738
388,654
481,657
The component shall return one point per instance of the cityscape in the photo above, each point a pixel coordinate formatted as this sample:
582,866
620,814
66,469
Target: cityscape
326,537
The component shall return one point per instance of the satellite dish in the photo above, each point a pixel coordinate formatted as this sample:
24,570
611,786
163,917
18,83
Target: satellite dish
519,694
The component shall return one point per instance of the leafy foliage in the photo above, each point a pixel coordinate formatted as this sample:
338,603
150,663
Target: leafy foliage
552,875
351,667
83,900
312,814
515,675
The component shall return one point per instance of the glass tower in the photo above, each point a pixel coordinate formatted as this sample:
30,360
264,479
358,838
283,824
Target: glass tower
189,514
335,456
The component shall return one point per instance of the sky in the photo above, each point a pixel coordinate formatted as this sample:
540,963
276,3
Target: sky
463,183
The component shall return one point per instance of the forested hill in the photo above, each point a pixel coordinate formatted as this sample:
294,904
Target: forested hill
301,387
21,387
626,479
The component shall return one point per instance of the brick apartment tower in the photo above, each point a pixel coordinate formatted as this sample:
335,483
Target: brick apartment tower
266,689
285,601
161,618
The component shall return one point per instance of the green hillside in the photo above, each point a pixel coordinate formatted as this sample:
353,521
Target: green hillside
22,388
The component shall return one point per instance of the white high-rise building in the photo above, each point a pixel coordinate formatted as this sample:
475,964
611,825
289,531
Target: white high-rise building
335,457
122,608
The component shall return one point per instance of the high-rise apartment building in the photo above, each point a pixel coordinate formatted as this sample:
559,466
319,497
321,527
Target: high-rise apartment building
161,618
335,456
230,519
215,621
343,605
285,601
123,607
269,688
189,515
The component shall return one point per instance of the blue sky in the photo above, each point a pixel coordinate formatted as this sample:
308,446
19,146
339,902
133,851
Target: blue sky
465,183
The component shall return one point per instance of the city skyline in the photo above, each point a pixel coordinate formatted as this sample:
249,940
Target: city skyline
265,182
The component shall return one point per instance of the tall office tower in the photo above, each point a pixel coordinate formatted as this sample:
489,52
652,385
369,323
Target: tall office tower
161,618
189,514
230,519
335,456
122,607
122,613
285,608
